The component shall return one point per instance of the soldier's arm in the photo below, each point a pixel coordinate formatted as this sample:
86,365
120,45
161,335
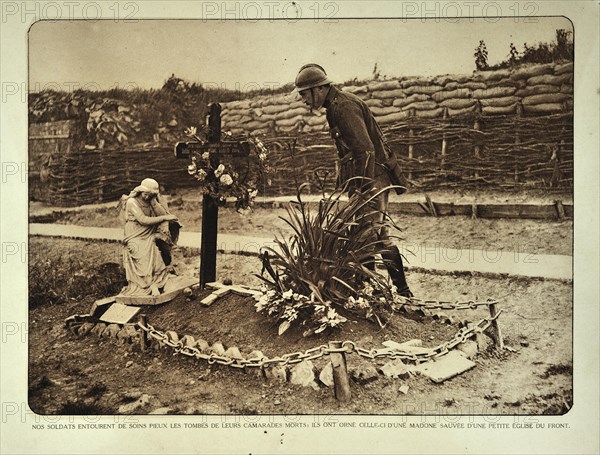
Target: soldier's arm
353,130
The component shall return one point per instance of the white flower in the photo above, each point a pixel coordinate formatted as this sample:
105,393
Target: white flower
262,156
287,294
192,169
201,174
226,179
253,194
205,156
219,170
191,131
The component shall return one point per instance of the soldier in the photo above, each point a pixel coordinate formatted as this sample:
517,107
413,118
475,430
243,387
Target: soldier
361,149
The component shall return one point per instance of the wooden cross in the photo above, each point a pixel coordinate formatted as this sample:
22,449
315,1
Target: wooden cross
210,210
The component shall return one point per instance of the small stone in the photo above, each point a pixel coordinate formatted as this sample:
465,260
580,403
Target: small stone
85,328
303,374
172,336
192,382
469,348
525,344
233,353
403,389
188,293
217,348
326,375
188,341
395,369
227,282
111,331
128,364
98,329
277,402
202,345
277,373
364,375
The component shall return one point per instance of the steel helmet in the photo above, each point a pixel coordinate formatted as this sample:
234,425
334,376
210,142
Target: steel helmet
310,76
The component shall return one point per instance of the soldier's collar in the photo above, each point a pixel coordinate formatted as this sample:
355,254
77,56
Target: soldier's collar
331,95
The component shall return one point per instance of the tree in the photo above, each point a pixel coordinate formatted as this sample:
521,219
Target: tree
481,56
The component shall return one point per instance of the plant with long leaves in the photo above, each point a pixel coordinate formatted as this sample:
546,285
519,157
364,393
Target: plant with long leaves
330,260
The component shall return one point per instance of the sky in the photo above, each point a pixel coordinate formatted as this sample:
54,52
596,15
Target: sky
242,55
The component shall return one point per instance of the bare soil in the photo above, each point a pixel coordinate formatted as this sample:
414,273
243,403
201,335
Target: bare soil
89,375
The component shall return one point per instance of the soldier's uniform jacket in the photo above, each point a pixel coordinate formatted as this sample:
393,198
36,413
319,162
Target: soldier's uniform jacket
357,137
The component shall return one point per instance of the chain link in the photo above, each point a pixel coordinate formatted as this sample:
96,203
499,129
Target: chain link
445,305
347,347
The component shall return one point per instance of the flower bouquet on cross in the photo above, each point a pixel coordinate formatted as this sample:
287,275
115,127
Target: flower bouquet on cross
230,178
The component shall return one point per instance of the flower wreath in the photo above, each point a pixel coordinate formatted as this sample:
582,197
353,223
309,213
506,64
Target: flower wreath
223,179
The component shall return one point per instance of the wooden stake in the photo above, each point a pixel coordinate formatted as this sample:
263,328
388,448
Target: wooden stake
517,140
560,210
144,335
411,146
444,141
341,382
497,334
477,127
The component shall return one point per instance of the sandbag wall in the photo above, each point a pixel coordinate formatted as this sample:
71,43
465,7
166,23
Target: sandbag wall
507,128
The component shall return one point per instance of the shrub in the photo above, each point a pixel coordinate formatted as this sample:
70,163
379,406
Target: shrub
319,275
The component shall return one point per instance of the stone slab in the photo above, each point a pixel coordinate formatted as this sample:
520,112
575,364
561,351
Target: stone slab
446,367
102,303
174,287
119,314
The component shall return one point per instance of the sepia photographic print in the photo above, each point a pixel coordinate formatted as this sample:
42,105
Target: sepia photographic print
300,227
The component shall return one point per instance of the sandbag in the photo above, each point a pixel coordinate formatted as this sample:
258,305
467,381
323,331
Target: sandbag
536,90
388,94
564,68
385,85
525,72
458,103
414,81
314,120
256,125
460,112
433,113
290,121
275,108
452,85
499,110
543,108
356,89
458,93
550,79
244,104
474,85
545,98
421,106
374,102
566,88
424,89
291,113
401,102
313,128
392,118
500,102
378,111
289,129
495,92
245,119
494,75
